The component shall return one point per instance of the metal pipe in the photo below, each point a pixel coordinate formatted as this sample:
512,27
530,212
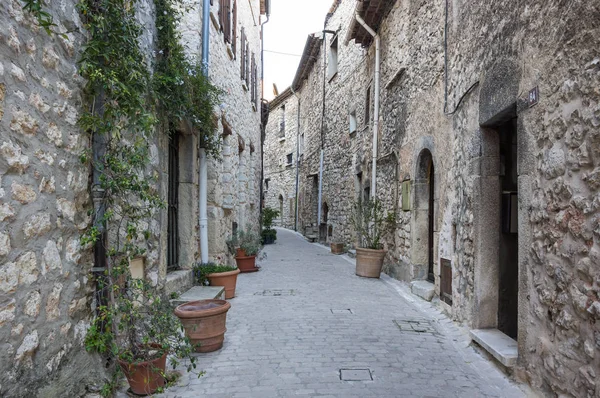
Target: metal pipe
203,168
297,159
322,132
376,112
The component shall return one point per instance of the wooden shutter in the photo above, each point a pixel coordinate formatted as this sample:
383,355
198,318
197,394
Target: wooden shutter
247,70
226,17
234,30
242,53
252,91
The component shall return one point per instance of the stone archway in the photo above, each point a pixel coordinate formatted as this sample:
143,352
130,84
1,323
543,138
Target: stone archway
423,217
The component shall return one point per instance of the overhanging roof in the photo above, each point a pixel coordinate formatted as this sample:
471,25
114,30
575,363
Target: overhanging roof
309,56
372,12
274,103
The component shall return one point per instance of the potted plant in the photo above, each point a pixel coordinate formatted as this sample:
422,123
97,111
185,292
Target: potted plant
368,220
268,233
214,274
204,323
138,328
245,246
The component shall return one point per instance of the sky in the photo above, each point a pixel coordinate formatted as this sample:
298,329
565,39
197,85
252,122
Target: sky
291,22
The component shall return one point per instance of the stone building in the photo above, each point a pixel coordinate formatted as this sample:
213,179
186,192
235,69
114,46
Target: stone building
46,291
486,158
282,148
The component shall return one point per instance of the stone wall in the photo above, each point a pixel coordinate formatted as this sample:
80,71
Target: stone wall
46,294
496,52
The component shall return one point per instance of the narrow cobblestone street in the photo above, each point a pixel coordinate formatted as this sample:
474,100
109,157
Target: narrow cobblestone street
305,316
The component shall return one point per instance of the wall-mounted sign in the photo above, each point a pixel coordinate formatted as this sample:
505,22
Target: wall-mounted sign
533,97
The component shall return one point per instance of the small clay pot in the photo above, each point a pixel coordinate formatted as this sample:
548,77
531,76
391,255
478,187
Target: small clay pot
204,323
239,252
246,263
369,262
226,279
147,377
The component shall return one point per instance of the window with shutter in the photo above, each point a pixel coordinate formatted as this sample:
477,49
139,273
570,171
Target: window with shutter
247,69
252,87
234,30
242,53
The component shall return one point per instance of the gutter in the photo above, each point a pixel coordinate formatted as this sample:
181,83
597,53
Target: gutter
358,18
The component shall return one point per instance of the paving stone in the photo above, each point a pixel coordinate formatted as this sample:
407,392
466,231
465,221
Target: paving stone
291,344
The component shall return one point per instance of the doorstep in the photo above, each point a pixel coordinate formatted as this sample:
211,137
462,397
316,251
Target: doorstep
199,293
423,289
502,347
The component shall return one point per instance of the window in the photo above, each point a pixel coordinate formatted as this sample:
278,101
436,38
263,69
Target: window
332,67
282,121
289,159
234,30
352,121
244,57
225,19
301,144
267,183
368,106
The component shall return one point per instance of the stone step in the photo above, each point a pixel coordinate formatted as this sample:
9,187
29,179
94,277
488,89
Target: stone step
502,347
199,293
423,289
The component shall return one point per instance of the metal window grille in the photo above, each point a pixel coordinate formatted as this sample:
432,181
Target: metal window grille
173,202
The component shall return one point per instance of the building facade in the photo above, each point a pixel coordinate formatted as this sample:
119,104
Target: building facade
47,293
486,158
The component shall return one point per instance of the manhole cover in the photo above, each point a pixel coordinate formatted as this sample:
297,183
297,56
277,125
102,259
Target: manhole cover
355,374
415,326
276,292
343,311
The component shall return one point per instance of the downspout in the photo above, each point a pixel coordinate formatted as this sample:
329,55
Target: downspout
262,100
297,159
203,169
376,112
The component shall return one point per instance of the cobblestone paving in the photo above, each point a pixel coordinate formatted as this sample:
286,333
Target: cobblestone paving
305,316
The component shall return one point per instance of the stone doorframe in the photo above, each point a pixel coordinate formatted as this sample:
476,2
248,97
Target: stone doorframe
187,215
423,154
499,103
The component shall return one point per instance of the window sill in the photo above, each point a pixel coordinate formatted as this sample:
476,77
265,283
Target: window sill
352,134
215,21
244,85
230,52
289,165
330,78
281,139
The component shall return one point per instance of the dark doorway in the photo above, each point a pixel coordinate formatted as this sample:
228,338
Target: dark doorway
430,240
173,203
508,287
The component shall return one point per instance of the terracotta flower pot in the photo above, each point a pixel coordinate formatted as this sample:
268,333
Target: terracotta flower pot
337,248
145,377
246,263
204,323
240,252
225,279
369,262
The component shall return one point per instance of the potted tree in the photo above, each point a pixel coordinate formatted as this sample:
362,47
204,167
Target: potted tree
368,221
245,246
137,326
214,274
268,234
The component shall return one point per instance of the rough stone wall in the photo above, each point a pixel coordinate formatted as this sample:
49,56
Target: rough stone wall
496,53
45,293
234,181
281,191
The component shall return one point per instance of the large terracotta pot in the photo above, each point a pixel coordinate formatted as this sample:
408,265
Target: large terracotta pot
246,263
225,279
145,377
204,323
369,262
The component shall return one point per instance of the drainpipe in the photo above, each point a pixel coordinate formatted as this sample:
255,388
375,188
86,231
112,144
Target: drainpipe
297,159
376,112
203,169
262,101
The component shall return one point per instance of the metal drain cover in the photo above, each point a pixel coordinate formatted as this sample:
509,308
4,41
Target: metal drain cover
276,292
415,325
355,374
343,311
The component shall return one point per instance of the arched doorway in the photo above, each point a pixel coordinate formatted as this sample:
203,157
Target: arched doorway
423,244
281,208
